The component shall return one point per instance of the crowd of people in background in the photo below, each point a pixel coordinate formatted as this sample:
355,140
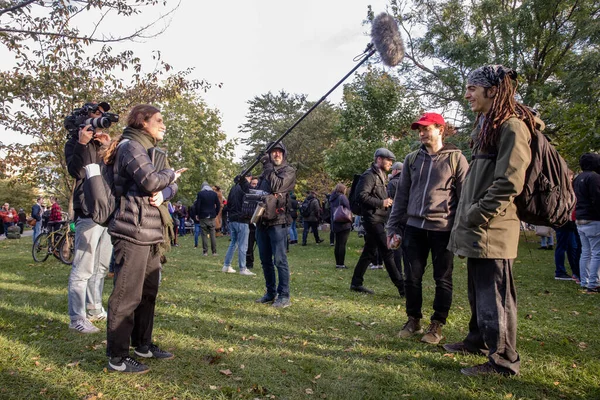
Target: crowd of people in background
434,203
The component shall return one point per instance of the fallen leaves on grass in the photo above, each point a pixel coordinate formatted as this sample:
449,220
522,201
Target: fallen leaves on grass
73,364
308,391
582,345
226,372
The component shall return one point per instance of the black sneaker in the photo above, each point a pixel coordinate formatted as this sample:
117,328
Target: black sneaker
361,289
267,298
127,364
282,302
152,351
320,241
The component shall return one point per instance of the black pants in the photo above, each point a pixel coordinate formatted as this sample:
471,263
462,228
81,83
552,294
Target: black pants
341,238
416,245
493,301
376,240
250,251
315,228
132,301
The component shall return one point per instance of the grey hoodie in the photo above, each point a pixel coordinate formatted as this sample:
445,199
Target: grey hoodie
428,192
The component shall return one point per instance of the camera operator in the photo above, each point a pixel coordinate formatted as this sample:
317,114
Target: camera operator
93,247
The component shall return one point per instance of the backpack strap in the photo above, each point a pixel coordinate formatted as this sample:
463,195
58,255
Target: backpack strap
412,157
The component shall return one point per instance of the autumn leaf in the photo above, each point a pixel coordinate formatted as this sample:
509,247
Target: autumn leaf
308,391
226,372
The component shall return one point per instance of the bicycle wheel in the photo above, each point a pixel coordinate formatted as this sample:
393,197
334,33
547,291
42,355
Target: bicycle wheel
40,248
66,248
55,241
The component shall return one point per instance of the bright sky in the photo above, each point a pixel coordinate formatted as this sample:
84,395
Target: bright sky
256,46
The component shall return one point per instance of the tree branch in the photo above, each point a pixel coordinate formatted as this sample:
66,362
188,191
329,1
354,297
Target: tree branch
17,6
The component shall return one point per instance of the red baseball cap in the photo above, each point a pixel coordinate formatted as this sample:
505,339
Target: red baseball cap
428,119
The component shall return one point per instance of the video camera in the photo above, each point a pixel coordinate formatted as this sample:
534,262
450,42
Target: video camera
80,118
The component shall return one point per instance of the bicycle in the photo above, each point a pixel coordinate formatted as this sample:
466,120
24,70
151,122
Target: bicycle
60,243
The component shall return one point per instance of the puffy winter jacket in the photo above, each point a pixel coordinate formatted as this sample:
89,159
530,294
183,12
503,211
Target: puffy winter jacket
136,220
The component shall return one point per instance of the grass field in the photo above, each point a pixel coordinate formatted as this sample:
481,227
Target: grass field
331,344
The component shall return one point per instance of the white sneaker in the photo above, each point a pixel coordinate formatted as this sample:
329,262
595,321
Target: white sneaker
98,317
247,272
83,326
228,270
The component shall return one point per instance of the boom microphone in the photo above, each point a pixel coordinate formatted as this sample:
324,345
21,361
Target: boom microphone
388,43
387,39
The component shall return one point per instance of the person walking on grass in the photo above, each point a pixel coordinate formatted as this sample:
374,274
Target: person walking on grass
208,207
422,217
373,198
486,226
341,230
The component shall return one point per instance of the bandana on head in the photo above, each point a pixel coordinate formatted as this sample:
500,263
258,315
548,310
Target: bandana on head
490,75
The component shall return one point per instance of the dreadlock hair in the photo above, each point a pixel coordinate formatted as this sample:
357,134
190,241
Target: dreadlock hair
503,107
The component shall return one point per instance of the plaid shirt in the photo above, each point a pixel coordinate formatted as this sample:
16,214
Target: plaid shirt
55,215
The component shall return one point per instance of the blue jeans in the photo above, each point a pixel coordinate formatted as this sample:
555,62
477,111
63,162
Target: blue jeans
547,241
271,248
37,228
239,238
197,232
293,231
589,264
93,250
6,226
181,226
566,243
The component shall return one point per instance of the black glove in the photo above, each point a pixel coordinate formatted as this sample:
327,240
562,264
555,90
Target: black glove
238,179
265,159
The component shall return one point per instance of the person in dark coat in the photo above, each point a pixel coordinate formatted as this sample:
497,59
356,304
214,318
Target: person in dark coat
294,214
208,207
137,230
341,230
311,219
251,232
391,189
375,204
587,214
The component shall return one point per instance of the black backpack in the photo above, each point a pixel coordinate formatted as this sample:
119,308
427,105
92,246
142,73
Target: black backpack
547,198
99,192
305,209
355,205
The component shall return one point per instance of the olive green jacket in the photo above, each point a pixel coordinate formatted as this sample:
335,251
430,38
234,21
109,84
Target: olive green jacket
486,223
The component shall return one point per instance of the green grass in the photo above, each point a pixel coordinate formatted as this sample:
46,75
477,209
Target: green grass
332,343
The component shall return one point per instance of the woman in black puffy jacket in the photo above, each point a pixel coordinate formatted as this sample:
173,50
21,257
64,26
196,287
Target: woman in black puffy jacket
137,230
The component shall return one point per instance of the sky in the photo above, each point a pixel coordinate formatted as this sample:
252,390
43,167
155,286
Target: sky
252,47
256,46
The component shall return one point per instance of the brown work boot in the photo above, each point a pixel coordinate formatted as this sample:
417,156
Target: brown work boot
411,327
433,334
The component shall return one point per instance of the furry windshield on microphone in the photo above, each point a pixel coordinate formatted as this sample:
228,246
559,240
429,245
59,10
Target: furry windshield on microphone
387,39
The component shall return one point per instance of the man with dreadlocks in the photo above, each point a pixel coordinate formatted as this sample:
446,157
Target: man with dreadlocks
486,227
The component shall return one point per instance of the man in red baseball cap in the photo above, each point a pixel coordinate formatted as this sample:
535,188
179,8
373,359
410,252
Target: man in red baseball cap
422,218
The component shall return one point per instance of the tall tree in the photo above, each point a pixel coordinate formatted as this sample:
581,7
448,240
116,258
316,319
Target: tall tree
54,74
194,140
376,112
553,44
270,115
